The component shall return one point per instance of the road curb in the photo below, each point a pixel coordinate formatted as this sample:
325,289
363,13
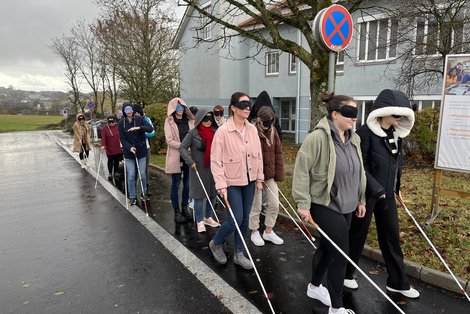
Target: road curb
415,270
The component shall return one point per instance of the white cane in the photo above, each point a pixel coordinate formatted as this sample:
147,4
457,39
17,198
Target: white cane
125,184
207,195
247,252
400,200
98,172
310,220
292,218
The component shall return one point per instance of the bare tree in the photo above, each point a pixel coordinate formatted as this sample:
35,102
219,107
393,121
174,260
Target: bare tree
137,36
424,32
66,49
90,65
263,28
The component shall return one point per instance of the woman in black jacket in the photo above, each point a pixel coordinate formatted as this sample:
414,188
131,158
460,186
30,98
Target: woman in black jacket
390,120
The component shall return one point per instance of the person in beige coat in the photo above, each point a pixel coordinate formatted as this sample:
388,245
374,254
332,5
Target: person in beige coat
177,124
81,139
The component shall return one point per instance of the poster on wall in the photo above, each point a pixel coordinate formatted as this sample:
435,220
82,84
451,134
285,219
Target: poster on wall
453,140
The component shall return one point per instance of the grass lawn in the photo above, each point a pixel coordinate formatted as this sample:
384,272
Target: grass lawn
11,123
450,232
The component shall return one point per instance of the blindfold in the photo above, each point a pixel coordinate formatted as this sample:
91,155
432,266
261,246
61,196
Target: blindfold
348,111
218,113
268,123
206,119
243,105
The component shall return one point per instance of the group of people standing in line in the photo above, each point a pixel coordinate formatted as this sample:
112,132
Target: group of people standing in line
123,138
340,178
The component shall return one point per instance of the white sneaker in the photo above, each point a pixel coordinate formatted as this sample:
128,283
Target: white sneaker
341,310
211,222
200,227
256,239
351,284
82,162
272,237
319,293
410,293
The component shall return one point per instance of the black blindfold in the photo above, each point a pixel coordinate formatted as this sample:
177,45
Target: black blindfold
348,111
243,105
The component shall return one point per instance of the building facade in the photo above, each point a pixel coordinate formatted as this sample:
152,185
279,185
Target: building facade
211,71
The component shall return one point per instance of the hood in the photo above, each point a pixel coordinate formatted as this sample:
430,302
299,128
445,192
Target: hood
172,107
78,115
200,115
262,100
124,105
324,125
387,103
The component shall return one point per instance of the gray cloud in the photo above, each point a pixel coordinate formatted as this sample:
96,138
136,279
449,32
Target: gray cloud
26,30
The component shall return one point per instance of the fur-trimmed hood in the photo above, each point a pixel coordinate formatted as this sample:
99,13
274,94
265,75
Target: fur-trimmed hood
391,102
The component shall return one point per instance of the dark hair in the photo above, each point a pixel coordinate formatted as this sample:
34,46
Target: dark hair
193,109
334,102
234,99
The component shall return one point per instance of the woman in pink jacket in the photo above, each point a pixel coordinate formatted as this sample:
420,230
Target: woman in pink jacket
177,124
237,167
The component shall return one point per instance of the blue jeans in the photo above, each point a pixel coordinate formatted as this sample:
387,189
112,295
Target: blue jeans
199,210
175,186
132,176
241,200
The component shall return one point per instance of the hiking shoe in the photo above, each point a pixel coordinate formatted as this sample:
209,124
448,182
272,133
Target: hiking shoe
240,259
410,293
341,310
319,293
351,284
256,238
218,253
272,237
133,201
211,222
200,227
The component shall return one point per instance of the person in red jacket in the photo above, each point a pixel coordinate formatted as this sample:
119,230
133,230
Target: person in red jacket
110,143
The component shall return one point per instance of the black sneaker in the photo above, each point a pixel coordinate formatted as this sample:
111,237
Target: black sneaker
148,193
133,201
145,197
110,178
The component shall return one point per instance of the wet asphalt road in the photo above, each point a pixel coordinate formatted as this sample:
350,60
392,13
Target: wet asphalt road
58,234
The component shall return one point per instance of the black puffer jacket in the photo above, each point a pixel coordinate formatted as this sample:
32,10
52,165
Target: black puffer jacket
383,168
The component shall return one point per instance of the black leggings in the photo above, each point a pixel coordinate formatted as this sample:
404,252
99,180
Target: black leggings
83,149
327,258
113,162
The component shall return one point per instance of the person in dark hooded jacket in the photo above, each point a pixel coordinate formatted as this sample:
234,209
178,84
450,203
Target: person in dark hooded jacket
195,149
390,120
132,131
264,100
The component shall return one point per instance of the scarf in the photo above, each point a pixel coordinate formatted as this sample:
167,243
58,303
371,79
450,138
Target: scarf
207,135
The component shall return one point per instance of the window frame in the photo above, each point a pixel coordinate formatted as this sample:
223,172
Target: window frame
392,29
206,31
292,63
269,64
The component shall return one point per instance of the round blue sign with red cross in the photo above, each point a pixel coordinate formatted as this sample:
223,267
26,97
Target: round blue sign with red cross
91,105
336,27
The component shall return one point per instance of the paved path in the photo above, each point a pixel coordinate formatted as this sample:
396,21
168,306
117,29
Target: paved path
60,235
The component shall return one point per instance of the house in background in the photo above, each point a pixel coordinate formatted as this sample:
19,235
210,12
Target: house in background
211,71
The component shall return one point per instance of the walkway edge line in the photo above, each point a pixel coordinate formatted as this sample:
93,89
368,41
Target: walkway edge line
227,295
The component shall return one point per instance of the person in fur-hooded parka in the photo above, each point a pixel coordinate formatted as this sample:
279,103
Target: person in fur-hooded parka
389,122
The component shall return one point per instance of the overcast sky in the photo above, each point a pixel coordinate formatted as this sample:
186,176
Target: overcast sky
26,30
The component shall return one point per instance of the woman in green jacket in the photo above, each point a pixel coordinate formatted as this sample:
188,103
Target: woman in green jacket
329,184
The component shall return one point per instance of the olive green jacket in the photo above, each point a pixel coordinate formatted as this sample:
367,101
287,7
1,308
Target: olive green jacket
315,165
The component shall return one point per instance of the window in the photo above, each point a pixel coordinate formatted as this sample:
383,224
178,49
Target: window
427,36
377,39
340,62
272,63
292,64
206,23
